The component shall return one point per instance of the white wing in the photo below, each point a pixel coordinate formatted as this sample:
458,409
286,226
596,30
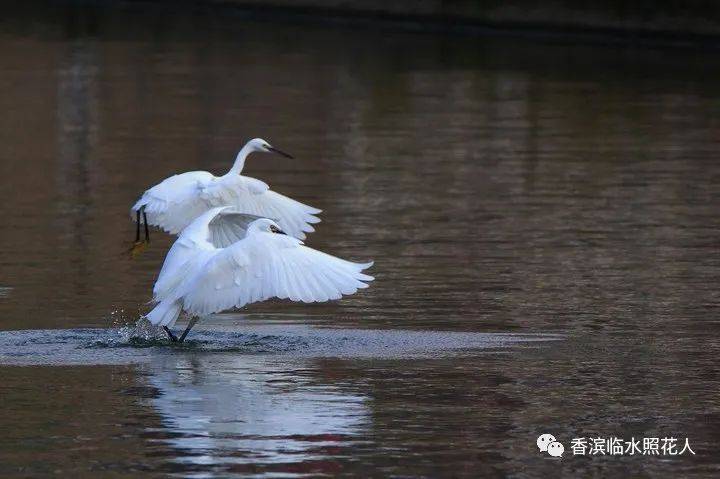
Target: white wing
269,265
248,195
181,260
175,202
217,228
228,227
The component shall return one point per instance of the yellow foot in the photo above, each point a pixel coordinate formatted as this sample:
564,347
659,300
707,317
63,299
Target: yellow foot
137,248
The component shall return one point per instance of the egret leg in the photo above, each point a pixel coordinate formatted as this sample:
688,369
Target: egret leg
147,231
139,246
172,337
189,327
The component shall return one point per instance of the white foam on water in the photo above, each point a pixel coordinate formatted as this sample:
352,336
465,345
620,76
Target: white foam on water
128,345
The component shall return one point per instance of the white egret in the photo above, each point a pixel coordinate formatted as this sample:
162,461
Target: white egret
176,201
225,260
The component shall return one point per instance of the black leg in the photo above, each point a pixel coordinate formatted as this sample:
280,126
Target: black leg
170,334
147,231
137,227
189,327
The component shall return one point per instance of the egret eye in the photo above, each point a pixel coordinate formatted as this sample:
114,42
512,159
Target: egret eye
273,229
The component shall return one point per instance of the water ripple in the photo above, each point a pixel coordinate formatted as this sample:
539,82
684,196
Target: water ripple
125,346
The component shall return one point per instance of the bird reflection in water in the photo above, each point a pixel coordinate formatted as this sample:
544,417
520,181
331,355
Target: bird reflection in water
254,412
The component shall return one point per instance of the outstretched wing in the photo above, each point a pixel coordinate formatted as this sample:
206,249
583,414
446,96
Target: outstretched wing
186,253
228,227
179,262
269,265
215,229
175,202
248,195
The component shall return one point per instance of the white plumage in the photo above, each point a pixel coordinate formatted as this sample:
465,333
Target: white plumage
206,272
176,201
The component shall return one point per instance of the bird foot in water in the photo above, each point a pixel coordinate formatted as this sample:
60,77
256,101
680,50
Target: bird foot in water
170,334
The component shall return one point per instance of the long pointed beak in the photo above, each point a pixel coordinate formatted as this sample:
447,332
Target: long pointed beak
280,152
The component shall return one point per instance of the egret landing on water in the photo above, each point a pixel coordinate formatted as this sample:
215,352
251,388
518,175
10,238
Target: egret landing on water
225,260
176,201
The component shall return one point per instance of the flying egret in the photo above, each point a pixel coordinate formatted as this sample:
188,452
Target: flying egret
225,260
176,201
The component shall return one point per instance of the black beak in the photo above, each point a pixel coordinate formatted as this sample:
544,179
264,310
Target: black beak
280,152
281,232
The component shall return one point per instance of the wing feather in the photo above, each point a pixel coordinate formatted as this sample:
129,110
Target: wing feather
252,196
190,250
175,202
267,265
182,261
229,227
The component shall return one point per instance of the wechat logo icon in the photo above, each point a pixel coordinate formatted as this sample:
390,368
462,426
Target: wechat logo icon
548,443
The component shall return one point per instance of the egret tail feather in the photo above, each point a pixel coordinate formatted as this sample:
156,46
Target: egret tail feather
165,313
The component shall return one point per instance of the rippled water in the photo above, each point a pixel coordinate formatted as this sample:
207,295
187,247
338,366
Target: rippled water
543,217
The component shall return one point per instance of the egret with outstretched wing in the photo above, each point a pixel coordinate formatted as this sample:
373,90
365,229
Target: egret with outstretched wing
176,201
225,260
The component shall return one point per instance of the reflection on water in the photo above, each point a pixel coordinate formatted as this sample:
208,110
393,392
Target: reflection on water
248,410
501,186
243,398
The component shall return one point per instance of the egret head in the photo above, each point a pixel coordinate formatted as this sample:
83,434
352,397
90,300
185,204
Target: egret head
262,146
265,225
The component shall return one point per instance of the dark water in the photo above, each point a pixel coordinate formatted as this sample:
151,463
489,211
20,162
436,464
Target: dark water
543,217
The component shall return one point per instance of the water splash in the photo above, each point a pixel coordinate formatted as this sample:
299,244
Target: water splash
139,343
141,333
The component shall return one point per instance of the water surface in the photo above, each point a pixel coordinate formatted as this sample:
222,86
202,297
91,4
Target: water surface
543,218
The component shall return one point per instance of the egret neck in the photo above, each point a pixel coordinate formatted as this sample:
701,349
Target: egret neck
240,159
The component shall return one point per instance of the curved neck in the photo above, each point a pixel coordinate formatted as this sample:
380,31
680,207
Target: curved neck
240,160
